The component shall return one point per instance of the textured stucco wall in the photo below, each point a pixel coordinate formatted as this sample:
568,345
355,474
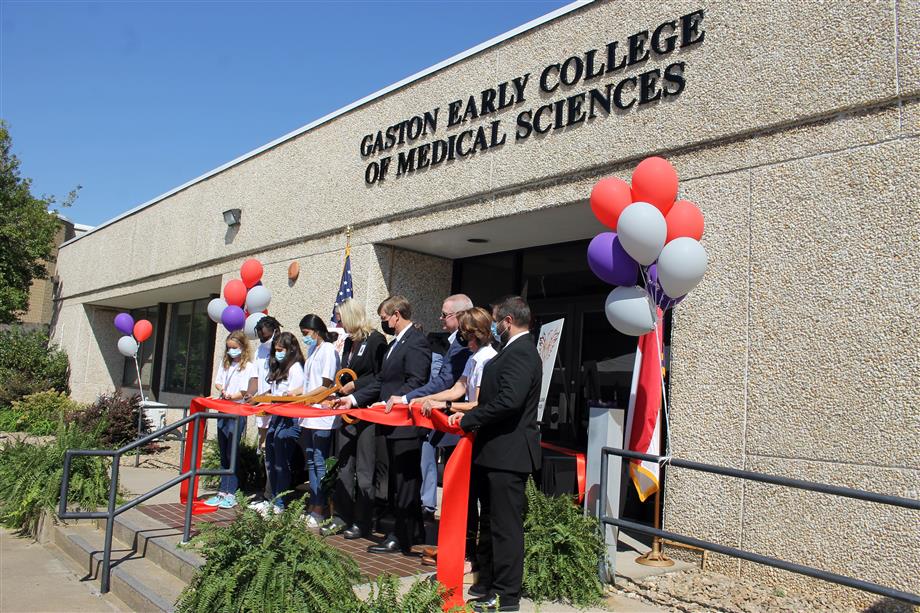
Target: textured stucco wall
798,136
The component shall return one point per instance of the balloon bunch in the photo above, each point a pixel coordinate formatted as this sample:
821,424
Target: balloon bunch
245,301
655,236
141,331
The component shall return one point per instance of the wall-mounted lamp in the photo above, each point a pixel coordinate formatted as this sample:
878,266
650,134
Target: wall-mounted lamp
232,217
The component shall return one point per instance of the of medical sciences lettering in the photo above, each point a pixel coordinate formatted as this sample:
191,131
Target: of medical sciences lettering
601,72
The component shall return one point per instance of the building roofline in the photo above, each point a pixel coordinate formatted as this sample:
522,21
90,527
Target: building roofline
327,118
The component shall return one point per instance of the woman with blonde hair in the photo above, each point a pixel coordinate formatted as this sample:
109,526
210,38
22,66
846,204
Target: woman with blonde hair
353,497
236,380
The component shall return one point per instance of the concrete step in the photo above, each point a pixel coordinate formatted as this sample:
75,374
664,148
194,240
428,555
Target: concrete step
157,542
135,580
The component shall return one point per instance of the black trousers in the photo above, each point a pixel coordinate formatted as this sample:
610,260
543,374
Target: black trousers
353,496
500,551
405,461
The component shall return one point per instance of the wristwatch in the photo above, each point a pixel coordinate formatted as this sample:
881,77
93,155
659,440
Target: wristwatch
448,405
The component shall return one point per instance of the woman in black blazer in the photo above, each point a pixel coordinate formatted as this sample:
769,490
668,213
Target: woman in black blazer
353,497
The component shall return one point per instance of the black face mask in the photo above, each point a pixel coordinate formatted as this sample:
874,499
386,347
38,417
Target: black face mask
463,341
387,328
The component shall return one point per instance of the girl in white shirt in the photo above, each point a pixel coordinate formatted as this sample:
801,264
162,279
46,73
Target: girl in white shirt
236,380
475,330
285,378
319,372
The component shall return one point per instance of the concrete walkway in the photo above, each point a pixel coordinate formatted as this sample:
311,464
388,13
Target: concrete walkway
33,579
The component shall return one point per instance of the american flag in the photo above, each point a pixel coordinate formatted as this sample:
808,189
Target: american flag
345,288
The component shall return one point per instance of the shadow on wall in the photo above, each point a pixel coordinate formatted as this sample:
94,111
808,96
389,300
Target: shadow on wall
57,290
103,333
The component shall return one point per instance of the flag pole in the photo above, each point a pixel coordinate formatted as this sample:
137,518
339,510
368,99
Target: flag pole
656,557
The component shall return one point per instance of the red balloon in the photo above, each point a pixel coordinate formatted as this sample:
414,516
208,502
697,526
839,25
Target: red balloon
235,293
608,199
684,219
250,272
655,181
142,330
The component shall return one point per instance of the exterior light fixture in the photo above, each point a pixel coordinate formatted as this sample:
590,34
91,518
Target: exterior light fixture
232,217
477,241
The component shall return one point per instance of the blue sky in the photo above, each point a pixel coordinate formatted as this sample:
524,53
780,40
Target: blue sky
131,99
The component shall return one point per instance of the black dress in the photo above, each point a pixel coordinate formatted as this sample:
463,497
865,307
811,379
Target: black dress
353,497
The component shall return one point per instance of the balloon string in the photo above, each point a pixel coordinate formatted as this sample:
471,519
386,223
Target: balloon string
140,384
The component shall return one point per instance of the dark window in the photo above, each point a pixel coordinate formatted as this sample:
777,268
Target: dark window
487,277
187,348
145,355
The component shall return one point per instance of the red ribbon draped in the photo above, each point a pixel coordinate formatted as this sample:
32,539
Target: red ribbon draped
452,531
580,466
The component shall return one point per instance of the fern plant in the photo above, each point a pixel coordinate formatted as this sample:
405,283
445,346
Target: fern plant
267,565
30,478
423,596
562,549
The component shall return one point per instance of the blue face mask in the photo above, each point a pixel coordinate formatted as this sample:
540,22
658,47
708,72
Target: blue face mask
309,342
495,333
234,353
280,355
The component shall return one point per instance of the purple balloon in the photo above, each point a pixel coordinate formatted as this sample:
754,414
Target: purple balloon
124,323
609,261
657,293
233,318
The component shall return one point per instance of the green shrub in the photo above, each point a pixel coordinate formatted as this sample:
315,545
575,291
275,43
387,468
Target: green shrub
423,597
28,365
562,551
269,564
114,417
39,413
30,478
252,468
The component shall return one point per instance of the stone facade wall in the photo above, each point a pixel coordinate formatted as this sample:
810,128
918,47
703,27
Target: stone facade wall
797,133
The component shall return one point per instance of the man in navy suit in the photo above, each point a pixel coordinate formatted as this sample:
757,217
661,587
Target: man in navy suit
444,378
506,451
406,366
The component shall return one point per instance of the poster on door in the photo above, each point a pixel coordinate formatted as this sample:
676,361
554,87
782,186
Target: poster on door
547,347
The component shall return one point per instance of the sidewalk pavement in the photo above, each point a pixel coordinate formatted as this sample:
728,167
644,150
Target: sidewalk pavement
32,578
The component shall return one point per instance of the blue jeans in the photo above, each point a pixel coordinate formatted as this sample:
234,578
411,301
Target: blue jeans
316,445
229,483
281,443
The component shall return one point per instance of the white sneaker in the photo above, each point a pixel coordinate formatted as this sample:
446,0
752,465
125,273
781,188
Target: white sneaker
310,521
259,507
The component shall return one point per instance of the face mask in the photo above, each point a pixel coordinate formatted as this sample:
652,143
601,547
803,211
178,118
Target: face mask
235,353
309,342
463,341
280,355
387,328
495,333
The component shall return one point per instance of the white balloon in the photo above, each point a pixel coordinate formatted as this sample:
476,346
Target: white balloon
215,308
681,266
257,298
630,310
250,326
642,231
127,346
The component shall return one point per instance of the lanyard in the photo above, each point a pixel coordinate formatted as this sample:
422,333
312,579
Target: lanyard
229,376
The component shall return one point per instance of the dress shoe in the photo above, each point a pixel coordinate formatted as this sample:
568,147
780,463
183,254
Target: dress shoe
390,545
478,590
492,603
334,528
353,532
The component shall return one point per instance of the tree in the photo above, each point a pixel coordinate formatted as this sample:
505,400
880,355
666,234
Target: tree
27,230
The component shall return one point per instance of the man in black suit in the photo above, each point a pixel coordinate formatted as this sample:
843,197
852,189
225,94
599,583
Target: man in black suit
406,366
505,452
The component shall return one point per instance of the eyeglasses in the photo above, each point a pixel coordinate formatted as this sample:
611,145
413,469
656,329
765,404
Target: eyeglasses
446,315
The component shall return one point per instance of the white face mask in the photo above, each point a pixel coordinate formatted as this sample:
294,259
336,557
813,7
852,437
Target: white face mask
234,353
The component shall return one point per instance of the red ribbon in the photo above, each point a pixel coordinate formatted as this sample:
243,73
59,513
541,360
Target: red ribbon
580,466
452,531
